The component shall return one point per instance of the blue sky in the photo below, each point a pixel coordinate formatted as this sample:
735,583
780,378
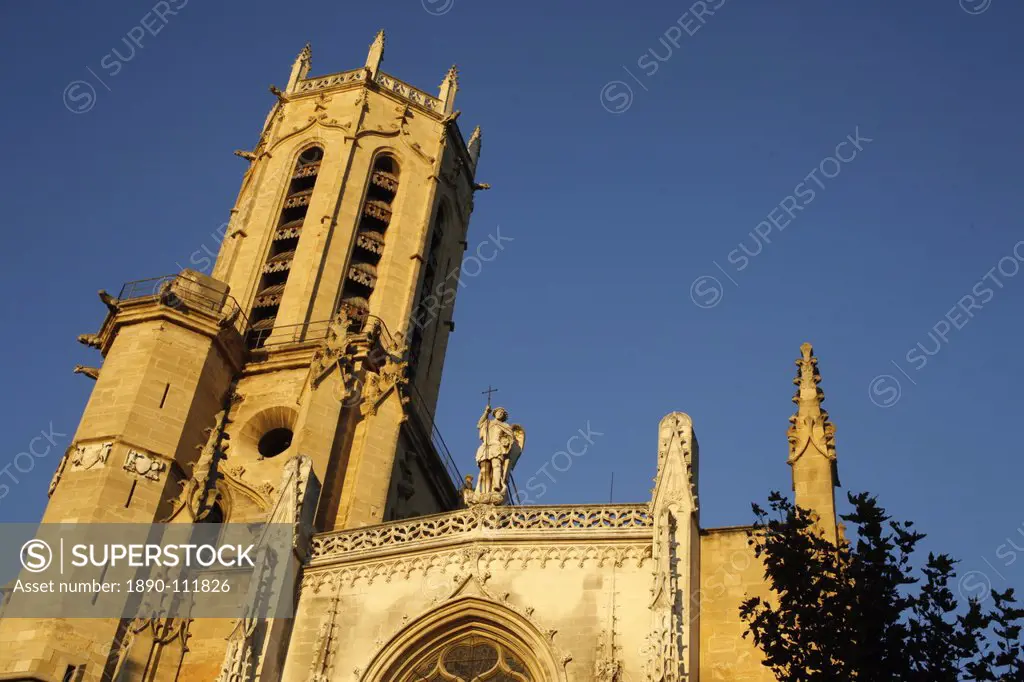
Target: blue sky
627,179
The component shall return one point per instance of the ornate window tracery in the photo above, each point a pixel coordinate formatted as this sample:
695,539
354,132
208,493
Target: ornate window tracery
471,659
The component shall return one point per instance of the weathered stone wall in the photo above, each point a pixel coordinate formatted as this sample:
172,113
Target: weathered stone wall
730,573
577,579
570,590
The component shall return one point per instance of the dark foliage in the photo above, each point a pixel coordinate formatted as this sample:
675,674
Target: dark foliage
860,610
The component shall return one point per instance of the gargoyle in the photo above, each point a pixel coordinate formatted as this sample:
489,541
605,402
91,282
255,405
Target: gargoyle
108,300
91,372
91,340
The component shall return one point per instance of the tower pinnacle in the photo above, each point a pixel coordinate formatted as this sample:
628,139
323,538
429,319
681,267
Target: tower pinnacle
474,144
449,86
300,68
812,450
376,53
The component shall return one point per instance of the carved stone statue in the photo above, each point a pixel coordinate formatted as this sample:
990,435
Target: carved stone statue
501,444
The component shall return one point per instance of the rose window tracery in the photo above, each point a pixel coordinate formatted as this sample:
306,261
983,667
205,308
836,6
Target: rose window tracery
474,659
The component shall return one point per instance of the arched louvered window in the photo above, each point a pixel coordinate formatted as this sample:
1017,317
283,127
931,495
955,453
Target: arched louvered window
374,219
423,315
283,244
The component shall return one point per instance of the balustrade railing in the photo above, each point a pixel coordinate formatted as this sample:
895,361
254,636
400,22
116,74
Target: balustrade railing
493,521
187,292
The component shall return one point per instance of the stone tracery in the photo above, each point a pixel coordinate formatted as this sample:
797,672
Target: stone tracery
580,518
471,659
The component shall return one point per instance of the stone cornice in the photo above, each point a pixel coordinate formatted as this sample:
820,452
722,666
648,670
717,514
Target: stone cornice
290,356
331,81
722,530
388,85
473,557
137,311
383,82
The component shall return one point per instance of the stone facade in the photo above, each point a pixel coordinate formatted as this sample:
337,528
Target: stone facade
298,383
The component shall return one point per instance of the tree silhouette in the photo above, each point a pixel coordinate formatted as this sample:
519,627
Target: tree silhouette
859,610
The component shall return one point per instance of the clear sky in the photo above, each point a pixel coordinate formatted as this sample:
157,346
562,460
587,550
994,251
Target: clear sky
636,151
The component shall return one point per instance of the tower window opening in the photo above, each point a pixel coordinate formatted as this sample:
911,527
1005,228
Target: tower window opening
375,217
387,164
302,184
313,155
275,441
279,246
383,179
292,214
283,244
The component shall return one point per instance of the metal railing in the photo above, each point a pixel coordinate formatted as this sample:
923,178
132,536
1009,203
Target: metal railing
183,292
304,332
436,439
283,335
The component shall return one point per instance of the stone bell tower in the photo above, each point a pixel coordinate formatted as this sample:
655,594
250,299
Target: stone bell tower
320,332
343,250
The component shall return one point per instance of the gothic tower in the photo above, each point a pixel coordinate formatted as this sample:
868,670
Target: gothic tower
320,332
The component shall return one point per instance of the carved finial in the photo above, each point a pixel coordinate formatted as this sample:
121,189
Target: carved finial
376,54
810,425
300,68
807,378
453,74
677,452
474,144
449,86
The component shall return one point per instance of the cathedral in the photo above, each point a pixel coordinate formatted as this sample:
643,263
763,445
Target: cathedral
297,383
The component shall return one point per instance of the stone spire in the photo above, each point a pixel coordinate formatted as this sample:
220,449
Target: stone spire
810,426
672,646
449,86
475,141
300,68
812,449
376,53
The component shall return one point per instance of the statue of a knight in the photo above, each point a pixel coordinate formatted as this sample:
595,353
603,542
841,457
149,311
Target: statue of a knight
501,444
